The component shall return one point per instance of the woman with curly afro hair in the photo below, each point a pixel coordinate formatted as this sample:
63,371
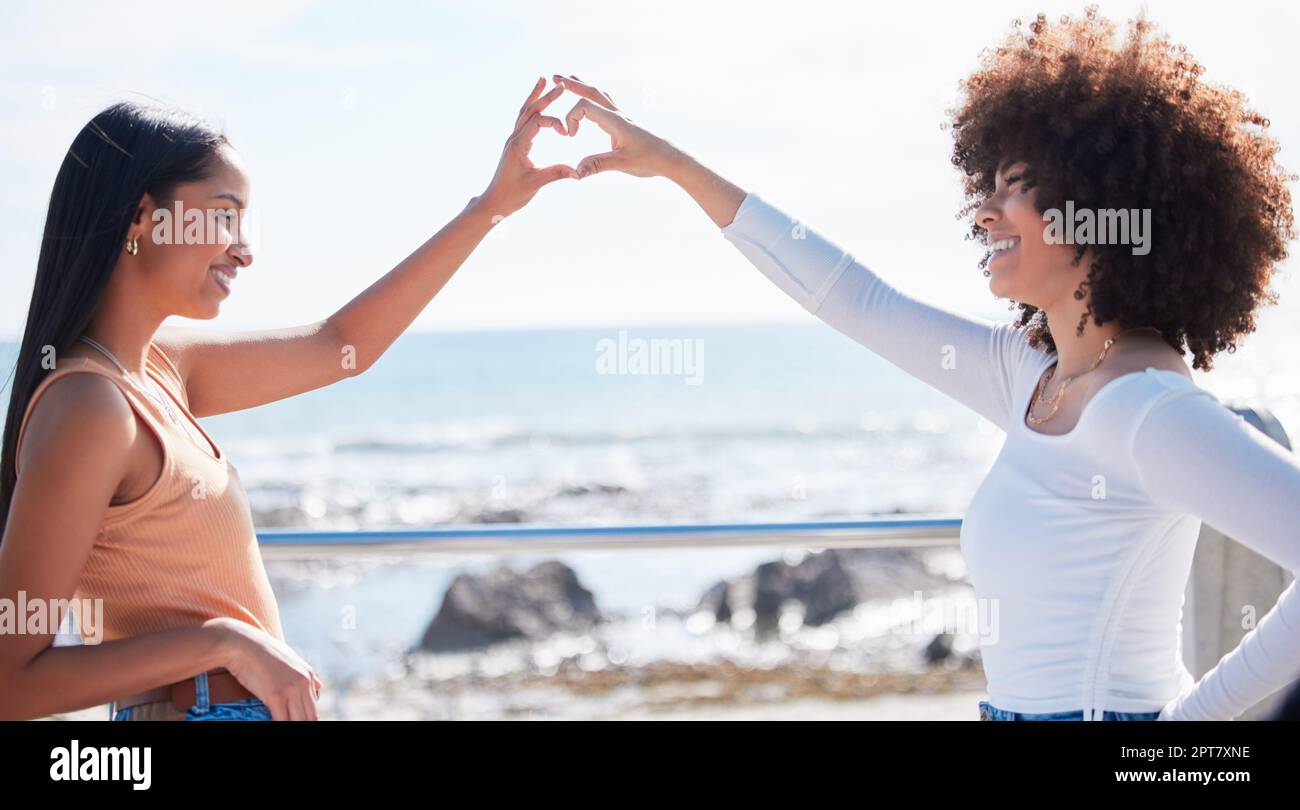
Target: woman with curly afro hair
1135,214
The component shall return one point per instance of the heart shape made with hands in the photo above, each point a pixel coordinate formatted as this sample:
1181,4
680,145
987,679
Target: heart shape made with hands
551,147
585,153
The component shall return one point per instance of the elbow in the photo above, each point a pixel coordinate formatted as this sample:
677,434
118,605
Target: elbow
359,364
351,356
352,363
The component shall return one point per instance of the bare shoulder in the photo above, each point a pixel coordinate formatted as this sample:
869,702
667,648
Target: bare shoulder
83,414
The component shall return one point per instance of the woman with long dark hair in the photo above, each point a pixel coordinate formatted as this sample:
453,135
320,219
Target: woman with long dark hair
110,491
1081,537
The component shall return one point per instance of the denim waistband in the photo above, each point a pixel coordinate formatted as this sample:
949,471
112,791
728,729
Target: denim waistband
990,712
203,708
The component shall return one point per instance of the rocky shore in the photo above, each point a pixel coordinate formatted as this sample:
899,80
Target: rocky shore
803,635
668,690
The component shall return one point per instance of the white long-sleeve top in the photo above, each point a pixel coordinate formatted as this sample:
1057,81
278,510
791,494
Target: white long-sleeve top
1079,545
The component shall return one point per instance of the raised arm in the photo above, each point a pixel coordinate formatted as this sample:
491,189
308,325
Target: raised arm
1197,457
233,371
972,360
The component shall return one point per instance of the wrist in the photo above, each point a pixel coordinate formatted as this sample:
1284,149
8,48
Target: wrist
486,209
228,643
675,164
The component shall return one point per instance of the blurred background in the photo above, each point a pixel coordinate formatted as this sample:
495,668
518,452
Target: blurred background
366,127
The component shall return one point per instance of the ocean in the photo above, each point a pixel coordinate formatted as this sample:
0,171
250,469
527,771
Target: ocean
747,423
765,423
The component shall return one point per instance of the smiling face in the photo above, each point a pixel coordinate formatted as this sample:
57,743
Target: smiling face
192,247
1023,265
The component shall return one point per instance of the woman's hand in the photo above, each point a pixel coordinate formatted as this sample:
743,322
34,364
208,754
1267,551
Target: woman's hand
273,672
517,180
634,150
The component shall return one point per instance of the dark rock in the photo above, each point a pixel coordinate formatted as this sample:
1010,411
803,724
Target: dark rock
825,584
819,582
891,573
499,516
478,611
939,649
715,601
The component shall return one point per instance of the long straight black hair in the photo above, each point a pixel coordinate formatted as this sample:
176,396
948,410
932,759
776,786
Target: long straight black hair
123,153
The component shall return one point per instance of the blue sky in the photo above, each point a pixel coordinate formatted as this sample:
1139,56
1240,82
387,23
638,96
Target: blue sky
367,126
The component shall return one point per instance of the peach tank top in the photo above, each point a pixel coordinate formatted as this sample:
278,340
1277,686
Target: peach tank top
185,551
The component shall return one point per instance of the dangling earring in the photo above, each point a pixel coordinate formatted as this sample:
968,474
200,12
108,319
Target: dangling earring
133,245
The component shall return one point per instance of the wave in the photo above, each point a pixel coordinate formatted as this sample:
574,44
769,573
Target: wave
424,441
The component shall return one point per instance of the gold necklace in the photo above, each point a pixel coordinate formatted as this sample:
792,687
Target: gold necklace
1056,398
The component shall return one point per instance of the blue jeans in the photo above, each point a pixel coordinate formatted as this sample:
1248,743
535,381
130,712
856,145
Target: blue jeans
990,712
244,709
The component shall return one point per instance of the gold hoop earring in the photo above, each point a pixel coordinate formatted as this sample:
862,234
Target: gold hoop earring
133,245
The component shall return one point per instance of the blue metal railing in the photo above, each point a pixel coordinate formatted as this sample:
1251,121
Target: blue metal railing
500,539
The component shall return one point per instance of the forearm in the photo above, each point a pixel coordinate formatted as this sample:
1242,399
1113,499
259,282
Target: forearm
253,368
1246,485
719,197
1267,659
62,679
369,323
